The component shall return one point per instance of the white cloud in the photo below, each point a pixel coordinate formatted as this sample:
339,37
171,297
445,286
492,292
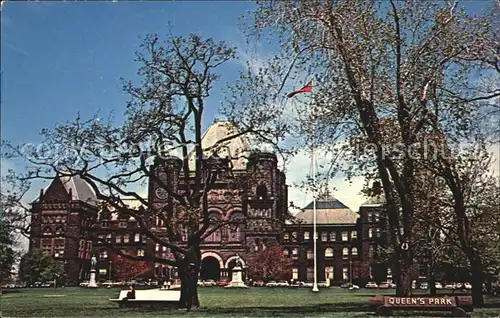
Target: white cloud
300,167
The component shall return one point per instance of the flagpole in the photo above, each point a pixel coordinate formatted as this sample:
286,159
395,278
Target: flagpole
313,158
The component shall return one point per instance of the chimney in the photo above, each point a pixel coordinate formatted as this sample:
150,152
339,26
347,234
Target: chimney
41,195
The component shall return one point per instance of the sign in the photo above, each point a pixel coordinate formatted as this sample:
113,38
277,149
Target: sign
445,301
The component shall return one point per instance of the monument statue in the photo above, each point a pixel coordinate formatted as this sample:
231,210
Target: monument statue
93,262
238,261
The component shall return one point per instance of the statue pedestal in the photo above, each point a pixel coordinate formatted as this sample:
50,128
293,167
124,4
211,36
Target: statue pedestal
92,282
237,281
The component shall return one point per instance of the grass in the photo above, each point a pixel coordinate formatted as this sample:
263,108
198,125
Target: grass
215,302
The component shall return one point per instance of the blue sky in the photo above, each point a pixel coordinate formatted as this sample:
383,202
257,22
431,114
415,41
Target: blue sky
59,58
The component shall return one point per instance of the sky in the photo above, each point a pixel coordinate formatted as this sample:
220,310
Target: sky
60,58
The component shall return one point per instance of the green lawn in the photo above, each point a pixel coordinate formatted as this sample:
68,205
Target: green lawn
215,302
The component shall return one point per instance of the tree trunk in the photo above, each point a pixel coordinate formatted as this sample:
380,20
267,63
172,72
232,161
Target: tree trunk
432,276
477,281
403,272
188,273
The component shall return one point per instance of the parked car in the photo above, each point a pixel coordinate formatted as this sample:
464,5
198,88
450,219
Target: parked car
424,286
438,285
119,283
222,283
85,283
296,284
450,286
323,284
354,287
209,283
468,286
384,285
107,284
307,285
282,283
271,284
371,285
259,283
200,283
459,286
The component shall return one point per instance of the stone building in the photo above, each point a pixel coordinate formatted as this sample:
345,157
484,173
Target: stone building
248,188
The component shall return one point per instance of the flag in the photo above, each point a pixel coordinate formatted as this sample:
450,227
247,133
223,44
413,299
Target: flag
305,89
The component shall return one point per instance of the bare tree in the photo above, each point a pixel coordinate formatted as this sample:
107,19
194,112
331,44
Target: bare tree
389,71
164,117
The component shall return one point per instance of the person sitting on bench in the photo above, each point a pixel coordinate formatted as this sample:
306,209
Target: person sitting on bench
130,293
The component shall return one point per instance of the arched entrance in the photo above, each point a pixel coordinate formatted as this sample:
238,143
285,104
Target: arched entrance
210,268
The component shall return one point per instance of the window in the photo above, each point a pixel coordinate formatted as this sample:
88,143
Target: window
310,254
144,238
345,273
286,236
286,252
329,252
157,247
369,216
104,224
370,252
370,233
118,239
122,224
377,217
125,238
164,248
294,236
377,232
261,192
306,235
295,273
345,252
103,254
354,251
310,274
59,231
329,273
295,253
324,236
47,231
354,234
137,237
345,238
108,237
140,252
333,236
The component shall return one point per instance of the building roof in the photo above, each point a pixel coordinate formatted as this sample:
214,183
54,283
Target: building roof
237,148
374,201
330,211
80,189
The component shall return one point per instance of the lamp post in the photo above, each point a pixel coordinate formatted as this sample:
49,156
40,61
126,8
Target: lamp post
110,263
350,271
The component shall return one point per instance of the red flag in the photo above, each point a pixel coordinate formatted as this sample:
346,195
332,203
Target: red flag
305,89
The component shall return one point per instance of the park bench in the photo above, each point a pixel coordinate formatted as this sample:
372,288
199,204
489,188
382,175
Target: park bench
149,298
458,305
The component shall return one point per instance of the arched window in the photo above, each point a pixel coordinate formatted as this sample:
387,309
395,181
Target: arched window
345,252
310,254
329,252
261,192
295,253
47,231
140,252
354,251
286,252
103,254
236,231
59,230
216,236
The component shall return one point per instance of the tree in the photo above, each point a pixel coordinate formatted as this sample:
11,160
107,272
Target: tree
7,253
269,264
384,73
125,269
37,267
164,117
